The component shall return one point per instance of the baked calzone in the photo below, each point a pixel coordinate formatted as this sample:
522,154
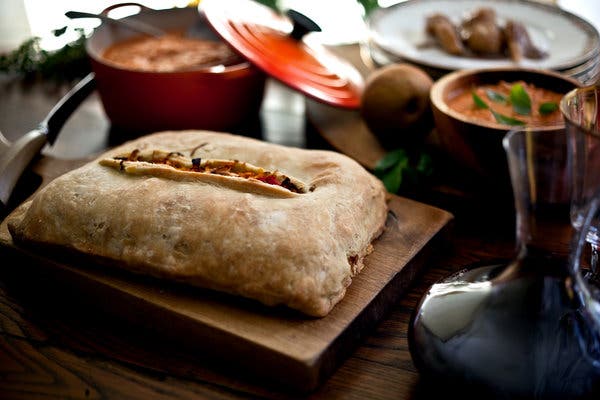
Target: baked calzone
276,224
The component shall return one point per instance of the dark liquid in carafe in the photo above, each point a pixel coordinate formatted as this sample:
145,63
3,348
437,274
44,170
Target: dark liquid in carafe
506,333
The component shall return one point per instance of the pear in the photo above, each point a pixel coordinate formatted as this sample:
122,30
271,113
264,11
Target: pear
395,104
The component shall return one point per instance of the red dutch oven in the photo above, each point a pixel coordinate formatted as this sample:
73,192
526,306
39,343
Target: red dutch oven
209,98
220,98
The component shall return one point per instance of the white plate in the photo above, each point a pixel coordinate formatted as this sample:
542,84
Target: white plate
568,39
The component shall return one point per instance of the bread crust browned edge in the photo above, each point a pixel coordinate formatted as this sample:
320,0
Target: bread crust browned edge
72,257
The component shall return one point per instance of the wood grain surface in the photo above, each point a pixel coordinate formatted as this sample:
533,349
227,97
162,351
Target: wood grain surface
346,132
54,345
290,348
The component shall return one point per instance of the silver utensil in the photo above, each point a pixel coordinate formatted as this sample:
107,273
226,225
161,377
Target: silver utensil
15,157
131,24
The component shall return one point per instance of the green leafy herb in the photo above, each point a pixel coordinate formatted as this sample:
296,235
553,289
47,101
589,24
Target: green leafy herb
520,100
547,108
65,64
393,178
496,97
390,159
425,164
479,103
506,120
397,169
368,5
390,169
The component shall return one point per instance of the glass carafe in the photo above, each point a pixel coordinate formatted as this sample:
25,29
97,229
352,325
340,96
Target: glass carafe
581,112
516,330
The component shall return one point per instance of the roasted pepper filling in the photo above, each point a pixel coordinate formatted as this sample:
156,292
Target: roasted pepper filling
233,168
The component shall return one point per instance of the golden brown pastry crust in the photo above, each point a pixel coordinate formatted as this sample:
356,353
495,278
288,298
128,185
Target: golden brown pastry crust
237,235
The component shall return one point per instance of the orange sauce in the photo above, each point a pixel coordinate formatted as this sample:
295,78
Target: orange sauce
463,103
169,53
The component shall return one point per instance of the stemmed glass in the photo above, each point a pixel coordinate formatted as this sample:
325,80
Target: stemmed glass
517,329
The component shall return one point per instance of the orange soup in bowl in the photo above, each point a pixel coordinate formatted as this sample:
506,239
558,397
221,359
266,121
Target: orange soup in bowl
509,103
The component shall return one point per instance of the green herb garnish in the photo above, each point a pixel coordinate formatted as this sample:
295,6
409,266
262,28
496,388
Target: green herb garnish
547,108
496,96
397,169
500,118
506,120
479,103
520,100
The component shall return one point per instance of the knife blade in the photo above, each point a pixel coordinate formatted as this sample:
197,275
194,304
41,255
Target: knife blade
15,157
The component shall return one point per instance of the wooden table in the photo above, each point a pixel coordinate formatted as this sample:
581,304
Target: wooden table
50,346
54,347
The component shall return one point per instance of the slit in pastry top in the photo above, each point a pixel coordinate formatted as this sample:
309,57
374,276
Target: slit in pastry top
234,174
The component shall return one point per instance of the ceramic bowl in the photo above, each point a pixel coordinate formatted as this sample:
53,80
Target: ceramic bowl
475,144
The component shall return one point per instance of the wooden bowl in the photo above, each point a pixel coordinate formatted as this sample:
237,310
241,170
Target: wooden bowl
474,144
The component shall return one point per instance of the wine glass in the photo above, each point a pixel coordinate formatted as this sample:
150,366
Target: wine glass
580,109
516,329
581,112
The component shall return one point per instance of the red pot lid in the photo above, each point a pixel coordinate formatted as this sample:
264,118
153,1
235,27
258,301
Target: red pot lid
264,37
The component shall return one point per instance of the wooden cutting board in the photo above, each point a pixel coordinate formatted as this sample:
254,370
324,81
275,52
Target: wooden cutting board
274,344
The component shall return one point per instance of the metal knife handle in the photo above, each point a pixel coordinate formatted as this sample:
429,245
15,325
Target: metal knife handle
20,153
60,113
16,160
